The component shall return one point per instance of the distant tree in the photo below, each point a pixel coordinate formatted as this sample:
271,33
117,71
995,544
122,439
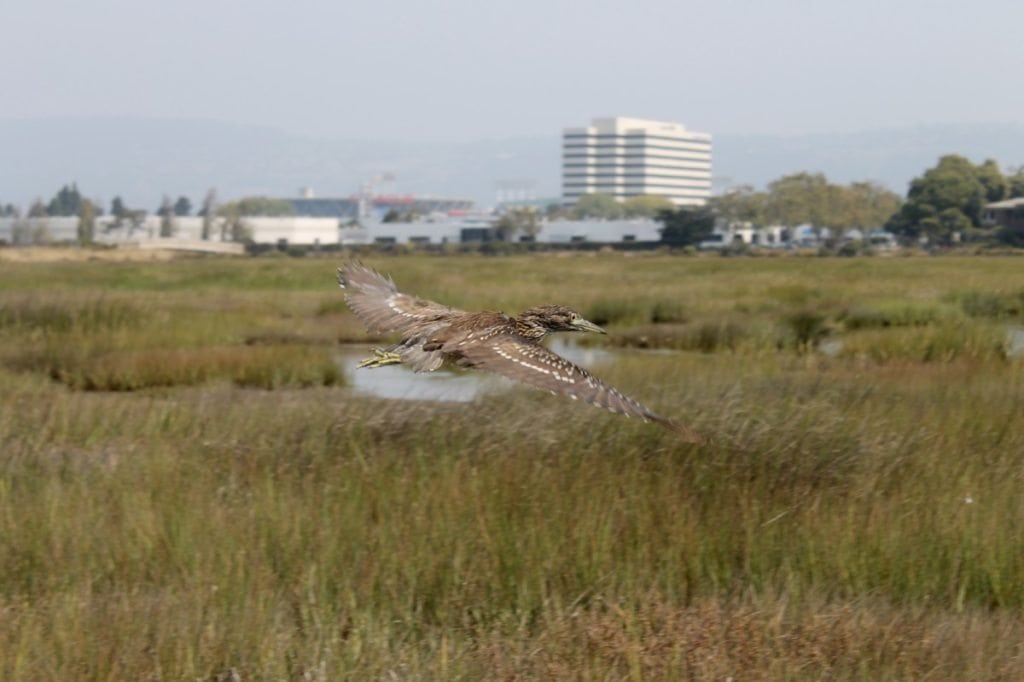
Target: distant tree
392,216
942,228
1015,182
66,202
556,211
530,224
182,207
133,218
166,214
259,206
517,220
229,219
25,232
233,225
86,222
686,225
37,209
40,233
800,199
600,206
808,198
233,214
645,206
10,211
117,208
863,206
997,186
954,183
741,205
21,232
207,212
240,232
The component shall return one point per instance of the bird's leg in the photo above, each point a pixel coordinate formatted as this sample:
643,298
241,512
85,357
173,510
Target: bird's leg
380,358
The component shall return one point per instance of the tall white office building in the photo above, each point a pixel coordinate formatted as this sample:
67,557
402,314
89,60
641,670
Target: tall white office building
627,157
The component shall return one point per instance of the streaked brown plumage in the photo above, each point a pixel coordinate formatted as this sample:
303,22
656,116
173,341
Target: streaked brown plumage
432,334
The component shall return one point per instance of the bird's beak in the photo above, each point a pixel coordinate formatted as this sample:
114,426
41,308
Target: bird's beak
587,326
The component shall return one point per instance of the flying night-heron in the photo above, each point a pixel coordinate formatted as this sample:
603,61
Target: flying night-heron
432,334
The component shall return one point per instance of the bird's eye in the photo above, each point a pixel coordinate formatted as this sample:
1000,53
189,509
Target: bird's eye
573,317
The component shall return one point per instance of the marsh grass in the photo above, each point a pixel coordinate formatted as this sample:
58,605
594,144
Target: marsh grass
850,519
46,314
706,337
988,303
131,370
620,312
803,328
896,314
948,342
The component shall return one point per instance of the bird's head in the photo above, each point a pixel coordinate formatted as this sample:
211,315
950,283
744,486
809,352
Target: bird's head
544,319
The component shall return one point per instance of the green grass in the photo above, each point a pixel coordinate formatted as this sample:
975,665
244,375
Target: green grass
989,303
852,517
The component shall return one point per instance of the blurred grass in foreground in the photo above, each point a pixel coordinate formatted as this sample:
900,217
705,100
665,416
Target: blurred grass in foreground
855,516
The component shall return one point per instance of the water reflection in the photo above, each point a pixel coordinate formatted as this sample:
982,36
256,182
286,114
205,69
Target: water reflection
1015,341
400,383
831,347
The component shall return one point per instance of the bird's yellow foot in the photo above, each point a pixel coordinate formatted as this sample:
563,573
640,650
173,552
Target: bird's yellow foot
380,358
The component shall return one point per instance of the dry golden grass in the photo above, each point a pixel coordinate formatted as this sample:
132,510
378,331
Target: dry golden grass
54,254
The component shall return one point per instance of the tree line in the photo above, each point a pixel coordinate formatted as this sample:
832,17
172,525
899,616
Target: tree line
942,205
68,201
949,199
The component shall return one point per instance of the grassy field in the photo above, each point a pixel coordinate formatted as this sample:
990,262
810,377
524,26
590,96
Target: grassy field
189,490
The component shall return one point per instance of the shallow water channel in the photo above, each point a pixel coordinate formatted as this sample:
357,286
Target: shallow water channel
401,383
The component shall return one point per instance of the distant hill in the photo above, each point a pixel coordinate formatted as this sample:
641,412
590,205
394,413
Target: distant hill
142,159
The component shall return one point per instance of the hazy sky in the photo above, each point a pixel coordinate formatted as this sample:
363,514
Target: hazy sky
468,69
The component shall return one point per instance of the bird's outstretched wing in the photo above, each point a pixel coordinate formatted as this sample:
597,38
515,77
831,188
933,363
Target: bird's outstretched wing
378,303
534,364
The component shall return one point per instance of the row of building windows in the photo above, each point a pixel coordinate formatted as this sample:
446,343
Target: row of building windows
635,145
629,137
639,143
697,199
639,176
645,187
645,151
618,149
619,159
633,169
689,167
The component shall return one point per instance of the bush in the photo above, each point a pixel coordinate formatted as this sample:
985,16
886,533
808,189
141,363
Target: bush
616,311
804,328
706,337
668,311
989,304
638,311
893,315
